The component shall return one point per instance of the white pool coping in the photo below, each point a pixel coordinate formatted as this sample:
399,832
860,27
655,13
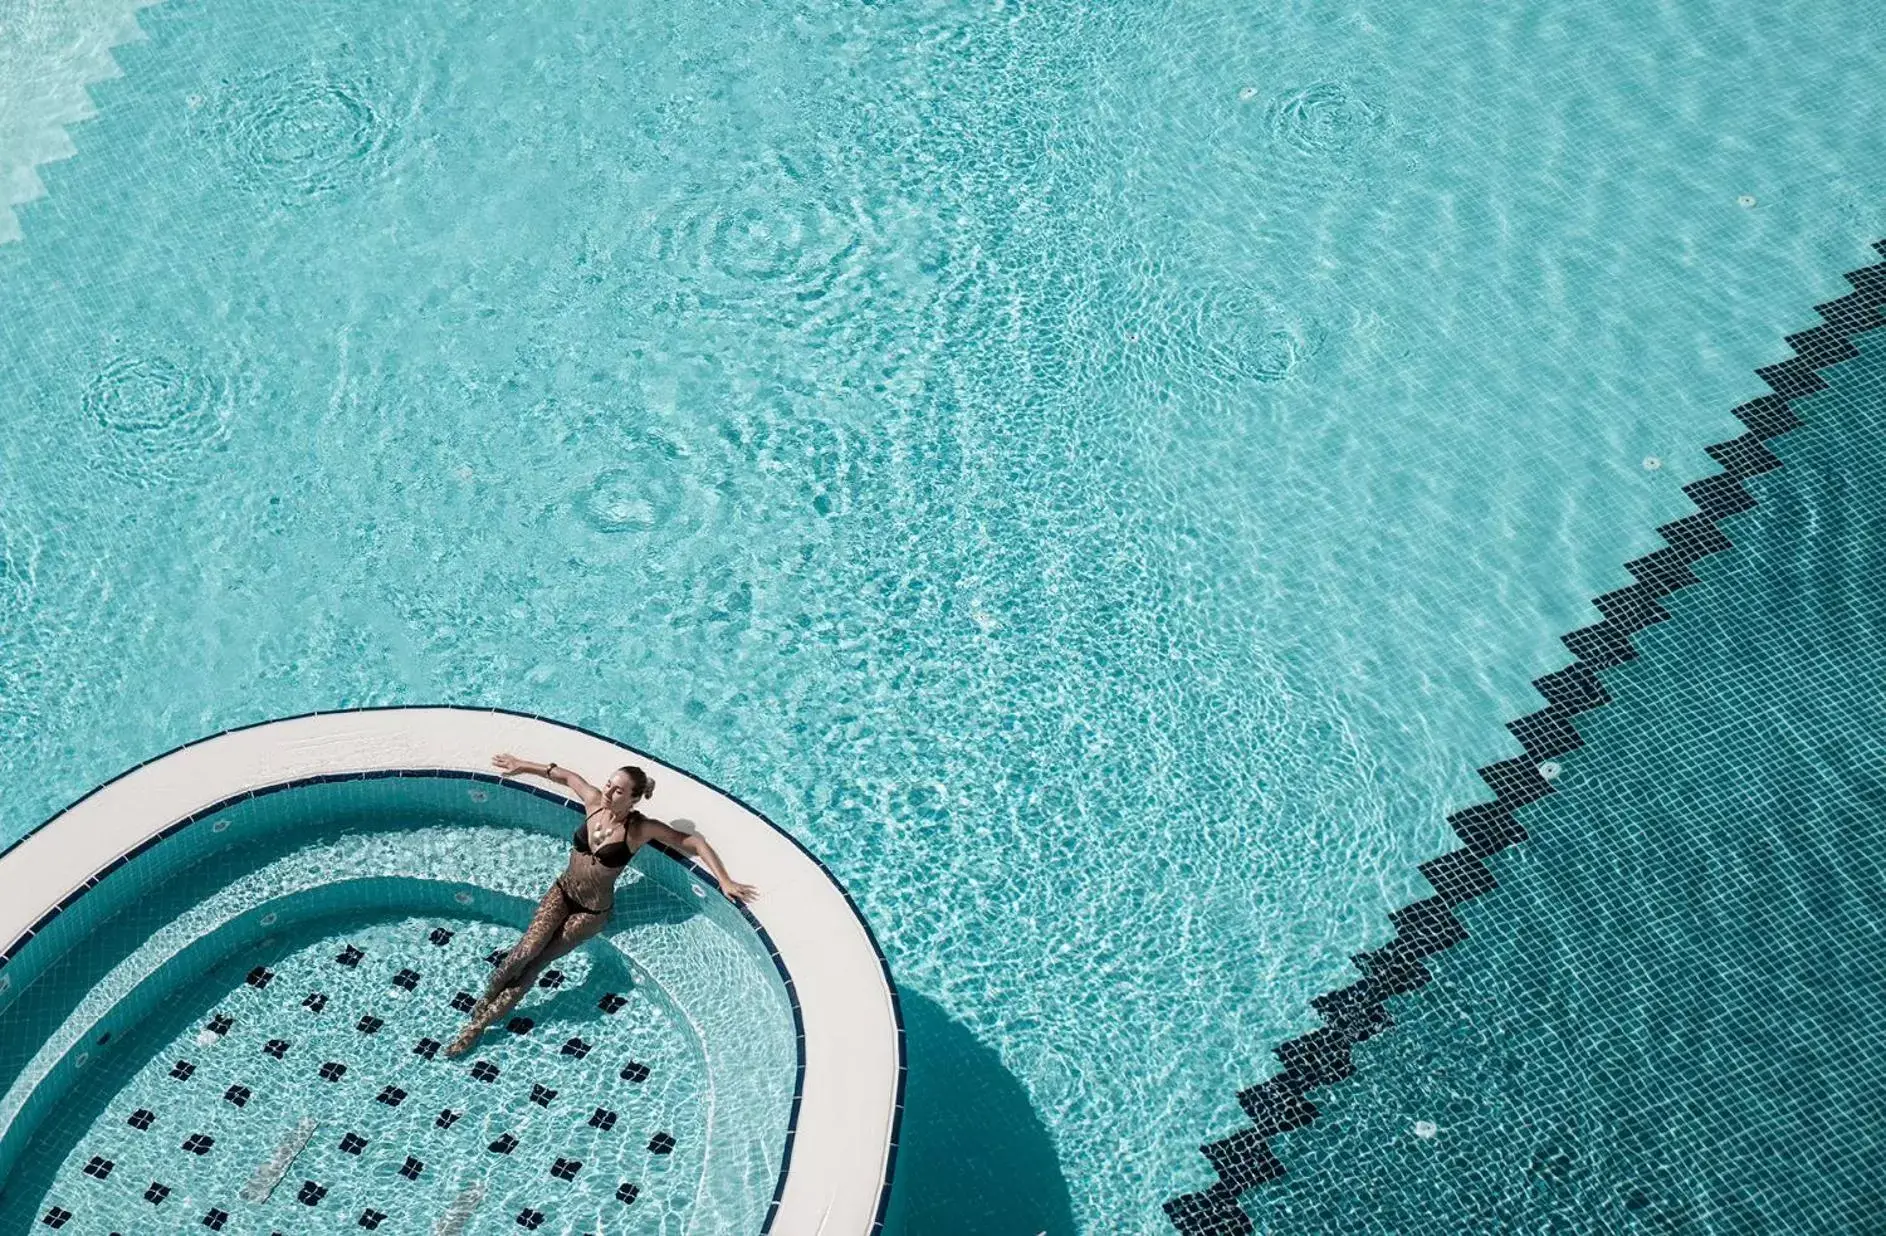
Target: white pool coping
844,1140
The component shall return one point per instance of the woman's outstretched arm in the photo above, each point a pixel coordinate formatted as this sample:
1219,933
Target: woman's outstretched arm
511,766
695,844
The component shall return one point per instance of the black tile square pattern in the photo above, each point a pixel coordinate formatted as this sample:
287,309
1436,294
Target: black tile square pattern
531,1219
56,1217
427,1048
333,1070
98,1168
411,1168
369,1024
315,1002
519,1025
182,1070
634,1071
576,1047
215,1220
276,1048
220,1024
392,1096
198,1143
259,977
603,1119
349,956
311,1193
141,1119
495,958
408,979
550,978
541,1094
661,1143
566,1169
156,1193
504,1145
447,1118
440,936
610,1002
626,1192
238,1095
463,1001
353,1143
371,1218
485,1071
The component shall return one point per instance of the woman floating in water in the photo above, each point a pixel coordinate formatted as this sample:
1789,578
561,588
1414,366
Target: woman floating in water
578,903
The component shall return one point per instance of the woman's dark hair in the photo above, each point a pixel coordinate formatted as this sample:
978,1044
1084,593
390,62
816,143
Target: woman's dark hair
643,784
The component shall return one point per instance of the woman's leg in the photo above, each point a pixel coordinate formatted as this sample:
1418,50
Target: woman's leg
544,925
576,928
518,970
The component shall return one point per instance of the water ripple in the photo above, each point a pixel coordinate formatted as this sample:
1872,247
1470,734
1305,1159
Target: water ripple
19,574
784,240
154,415
1240,334
1322,120
647,488
300,131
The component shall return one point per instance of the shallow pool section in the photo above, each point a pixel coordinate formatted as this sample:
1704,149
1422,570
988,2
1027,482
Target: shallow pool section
241,1027
306,1091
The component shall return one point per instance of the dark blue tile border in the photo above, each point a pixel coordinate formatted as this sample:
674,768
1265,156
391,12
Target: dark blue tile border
1359,1011
792,995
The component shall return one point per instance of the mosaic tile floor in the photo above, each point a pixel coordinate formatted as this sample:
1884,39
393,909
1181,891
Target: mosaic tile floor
304,1089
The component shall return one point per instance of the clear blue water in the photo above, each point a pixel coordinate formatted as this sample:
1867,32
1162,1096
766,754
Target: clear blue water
1101,475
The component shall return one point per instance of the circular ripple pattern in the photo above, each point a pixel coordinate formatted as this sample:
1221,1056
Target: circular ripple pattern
782,240
644,489
1322,119
154,416
1241,335
300,131
623,500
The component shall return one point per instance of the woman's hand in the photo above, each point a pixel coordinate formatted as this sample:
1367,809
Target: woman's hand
507,763
737,891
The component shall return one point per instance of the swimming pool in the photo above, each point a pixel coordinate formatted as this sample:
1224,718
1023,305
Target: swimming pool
294,918
1103,476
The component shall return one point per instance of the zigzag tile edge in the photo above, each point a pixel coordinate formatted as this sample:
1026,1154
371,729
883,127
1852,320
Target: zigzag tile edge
1359,1011
47,137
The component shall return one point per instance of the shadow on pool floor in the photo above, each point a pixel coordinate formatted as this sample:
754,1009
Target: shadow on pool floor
974,1158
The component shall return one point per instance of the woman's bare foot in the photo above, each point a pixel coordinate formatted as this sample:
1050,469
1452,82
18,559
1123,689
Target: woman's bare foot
463,1043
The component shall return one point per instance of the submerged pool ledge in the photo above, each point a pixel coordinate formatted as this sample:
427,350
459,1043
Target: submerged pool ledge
841,1147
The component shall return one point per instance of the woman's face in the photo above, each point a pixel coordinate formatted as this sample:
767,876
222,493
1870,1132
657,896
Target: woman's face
617,792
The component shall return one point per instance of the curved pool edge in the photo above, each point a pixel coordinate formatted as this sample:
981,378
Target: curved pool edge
841,1147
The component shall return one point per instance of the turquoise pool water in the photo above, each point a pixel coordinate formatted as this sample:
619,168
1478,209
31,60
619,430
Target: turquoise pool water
1101,475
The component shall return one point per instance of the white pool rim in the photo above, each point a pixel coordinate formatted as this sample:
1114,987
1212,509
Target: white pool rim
842,1146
